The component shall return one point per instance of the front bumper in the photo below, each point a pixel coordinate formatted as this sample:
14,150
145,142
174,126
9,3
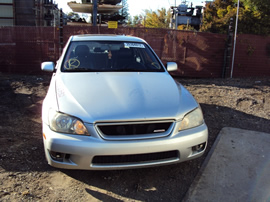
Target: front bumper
78,152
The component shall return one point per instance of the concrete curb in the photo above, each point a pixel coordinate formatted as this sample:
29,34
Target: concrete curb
237,168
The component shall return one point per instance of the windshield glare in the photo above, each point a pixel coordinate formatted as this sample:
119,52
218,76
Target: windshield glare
92,56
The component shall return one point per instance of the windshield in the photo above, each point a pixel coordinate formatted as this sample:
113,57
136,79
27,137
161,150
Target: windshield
103,56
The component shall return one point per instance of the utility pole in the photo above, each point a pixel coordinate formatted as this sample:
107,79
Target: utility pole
236,25
176,19
95,8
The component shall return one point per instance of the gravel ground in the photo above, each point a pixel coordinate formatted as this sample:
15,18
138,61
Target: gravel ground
25,175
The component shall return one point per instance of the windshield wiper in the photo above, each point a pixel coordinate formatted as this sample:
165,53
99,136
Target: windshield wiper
81,69
136,70
127,70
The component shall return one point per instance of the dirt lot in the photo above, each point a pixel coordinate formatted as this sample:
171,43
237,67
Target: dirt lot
25,175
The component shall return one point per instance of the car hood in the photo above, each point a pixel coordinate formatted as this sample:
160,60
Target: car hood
122,96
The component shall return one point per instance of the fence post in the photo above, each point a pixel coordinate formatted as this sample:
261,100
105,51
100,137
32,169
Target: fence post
61,35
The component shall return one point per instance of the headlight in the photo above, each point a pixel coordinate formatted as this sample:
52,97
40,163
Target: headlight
192,119
66,124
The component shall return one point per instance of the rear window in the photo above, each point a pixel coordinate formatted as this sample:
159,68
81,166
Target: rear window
102,56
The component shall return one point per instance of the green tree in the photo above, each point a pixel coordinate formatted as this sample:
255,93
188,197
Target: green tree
129,21
253,16
157,19
186,27
124,12
152,19
122,15
137,21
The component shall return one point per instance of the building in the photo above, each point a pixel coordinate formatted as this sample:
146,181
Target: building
29,13
184,15
47,13
24,12
6,13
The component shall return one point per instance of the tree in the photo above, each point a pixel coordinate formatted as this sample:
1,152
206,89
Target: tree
129,21
253,16
152,19
137,21
186,27
123,13
157,19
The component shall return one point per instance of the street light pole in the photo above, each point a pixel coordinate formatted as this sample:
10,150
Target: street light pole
236,25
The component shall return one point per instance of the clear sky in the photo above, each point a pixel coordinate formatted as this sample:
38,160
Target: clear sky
136,7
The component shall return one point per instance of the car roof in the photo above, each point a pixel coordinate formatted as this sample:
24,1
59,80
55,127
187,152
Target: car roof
107,37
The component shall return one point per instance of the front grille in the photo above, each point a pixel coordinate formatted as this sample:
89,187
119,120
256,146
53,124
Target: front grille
134,129
136,158
130,130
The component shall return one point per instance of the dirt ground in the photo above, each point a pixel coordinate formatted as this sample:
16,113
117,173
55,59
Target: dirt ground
25,175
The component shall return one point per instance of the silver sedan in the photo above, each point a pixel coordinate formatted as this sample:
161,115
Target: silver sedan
112,104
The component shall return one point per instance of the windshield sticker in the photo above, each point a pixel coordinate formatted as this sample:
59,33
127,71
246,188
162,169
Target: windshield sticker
72,63
134,45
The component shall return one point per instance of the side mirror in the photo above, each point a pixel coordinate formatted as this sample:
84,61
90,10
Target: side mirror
171,66
47,66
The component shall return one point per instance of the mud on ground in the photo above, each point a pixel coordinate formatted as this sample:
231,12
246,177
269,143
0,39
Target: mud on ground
25,175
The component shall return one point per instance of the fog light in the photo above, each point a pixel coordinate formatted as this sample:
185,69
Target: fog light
57,156
198,148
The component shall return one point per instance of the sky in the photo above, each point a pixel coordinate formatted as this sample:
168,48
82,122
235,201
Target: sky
136,7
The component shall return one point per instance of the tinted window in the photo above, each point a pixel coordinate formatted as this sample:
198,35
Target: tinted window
110,56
